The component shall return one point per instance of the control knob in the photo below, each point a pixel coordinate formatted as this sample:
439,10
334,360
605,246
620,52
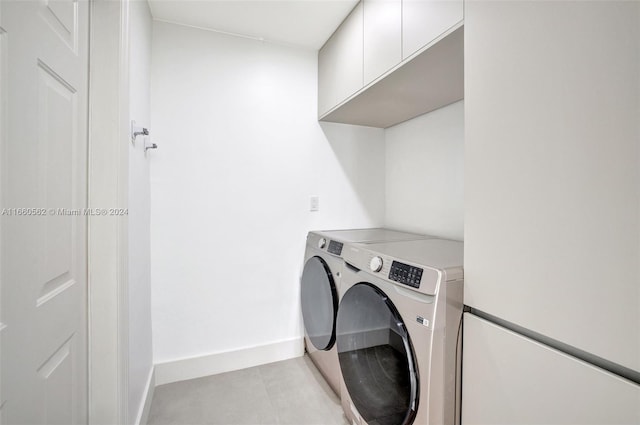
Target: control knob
375,264
322,243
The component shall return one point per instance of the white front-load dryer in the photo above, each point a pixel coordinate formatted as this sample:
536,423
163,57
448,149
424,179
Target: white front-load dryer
320,291
398,331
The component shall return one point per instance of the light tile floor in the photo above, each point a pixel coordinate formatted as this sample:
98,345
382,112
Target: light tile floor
289,392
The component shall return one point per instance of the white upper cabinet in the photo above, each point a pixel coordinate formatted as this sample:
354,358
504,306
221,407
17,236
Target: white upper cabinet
340,62
382,37
425,20
383,65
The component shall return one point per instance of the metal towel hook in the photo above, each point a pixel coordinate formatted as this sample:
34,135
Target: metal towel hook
149,146
137,131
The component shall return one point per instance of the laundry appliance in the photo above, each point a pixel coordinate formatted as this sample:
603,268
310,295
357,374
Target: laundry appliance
398,332
319,290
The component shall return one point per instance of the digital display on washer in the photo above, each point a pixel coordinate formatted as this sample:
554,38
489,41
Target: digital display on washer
335,247
405,274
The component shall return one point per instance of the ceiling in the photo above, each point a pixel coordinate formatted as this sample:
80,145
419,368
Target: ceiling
305,23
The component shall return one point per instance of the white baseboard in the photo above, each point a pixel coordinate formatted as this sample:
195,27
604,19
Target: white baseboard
143,413
211,364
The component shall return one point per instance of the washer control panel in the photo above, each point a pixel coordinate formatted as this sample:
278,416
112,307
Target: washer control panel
335,247
415,276
405,274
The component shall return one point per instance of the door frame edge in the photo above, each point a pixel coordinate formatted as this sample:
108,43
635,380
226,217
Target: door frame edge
107,241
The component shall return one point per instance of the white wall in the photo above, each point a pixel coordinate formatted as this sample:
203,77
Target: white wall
240,152
425,173
140,347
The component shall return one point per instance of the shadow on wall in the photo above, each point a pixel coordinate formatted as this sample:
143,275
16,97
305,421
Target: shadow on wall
425,169
358,155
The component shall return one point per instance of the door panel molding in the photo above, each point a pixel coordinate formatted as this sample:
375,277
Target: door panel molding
56,372
54,287
58,147
42,64
62,17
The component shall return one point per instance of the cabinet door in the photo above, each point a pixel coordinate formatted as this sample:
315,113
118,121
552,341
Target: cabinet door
340,63
536,209
382,37
511,379
424,20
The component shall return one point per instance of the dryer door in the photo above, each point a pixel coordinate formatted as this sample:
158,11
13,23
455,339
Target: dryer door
319,300
376,357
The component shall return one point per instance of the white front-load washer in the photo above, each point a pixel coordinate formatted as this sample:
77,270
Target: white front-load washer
398,332
319,291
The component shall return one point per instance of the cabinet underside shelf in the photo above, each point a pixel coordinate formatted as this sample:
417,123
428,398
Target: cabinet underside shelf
433,78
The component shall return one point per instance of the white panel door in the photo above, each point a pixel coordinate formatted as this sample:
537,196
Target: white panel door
511,380
44,273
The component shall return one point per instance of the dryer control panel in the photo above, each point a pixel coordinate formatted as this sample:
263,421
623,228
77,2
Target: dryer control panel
405,274
335,247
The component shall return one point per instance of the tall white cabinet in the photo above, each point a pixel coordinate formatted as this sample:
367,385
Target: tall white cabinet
552,200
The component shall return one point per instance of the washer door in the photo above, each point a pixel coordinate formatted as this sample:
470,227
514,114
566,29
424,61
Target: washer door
376,357
319,303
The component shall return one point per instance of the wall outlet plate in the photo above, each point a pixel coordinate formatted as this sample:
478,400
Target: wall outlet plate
314,203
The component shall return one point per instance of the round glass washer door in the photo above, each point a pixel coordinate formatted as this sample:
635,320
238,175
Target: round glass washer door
376,357
319,299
